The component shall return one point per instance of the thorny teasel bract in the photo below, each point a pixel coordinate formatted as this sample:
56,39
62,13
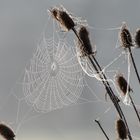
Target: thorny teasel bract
121,129
125,37
6,132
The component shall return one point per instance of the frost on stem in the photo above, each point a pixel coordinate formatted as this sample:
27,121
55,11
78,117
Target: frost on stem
121,129
6,132
125,37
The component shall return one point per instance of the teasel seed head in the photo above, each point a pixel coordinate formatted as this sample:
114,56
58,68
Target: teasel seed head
122,84
137,38
85,47
121,129
125,37
6,132
63,18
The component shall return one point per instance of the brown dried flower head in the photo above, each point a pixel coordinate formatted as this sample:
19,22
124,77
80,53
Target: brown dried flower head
122,84
125,37
121,129
137,37
63,18
6,132
85,47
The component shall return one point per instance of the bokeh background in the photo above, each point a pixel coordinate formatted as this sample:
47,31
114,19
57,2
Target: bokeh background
21,25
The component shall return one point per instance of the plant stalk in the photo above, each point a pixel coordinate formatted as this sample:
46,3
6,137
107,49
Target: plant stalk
102,129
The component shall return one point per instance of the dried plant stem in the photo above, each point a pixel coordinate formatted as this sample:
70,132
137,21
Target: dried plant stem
110,92
103,77
133,104
102,129
132,58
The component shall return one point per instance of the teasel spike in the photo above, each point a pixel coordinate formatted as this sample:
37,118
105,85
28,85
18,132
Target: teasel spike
65,20
6,132
123,85
137,38
102,129
121,129
85,46
125,37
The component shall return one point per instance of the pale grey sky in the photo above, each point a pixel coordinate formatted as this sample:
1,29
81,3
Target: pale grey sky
21,25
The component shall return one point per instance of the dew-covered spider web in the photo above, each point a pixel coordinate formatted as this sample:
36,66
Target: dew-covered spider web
55,79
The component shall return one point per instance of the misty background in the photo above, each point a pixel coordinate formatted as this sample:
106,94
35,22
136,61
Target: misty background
21,25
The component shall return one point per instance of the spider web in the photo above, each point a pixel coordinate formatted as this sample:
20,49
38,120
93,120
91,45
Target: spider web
53,79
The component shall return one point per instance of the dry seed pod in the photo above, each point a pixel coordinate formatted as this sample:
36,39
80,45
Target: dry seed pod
6,132
63,18
85,47
122,84
125,37
137,37
121,129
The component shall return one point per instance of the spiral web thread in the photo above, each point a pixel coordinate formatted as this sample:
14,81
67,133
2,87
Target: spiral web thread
54,79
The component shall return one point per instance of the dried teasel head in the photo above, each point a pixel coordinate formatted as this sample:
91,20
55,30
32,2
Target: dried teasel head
121,129
137,37
6,132
122,84
63,18
125,37
85,47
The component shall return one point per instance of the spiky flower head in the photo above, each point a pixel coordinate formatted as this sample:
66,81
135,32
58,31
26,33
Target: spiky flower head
137,37
63,18
121,129
85,46
122,84
125,37
6,132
